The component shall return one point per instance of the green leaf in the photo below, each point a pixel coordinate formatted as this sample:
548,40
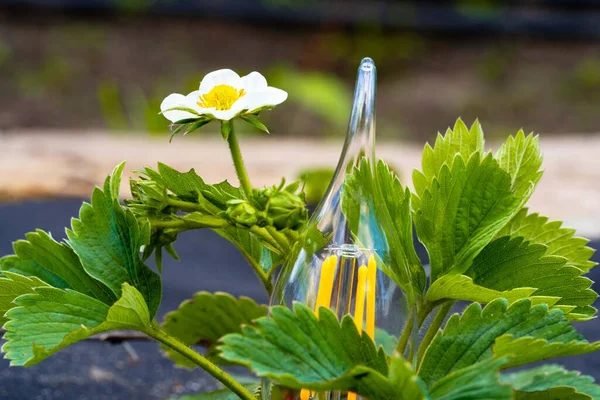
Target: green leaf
506,264
297,350
219,394
252,248
252,120
51,319
551,382
13,286
520,156
108,239
458,141
560,241
469,338
461,287
380,190
18,266
527,349
60,260
463,211
206,318
475,382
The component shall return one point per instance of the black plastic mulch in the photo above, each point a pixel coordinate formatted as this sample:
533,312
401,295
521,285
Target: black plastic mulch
99,370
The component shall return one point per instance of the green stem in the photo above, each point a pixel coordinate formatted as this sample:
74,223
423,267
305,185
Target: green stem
202,362
265,236
258,270
406,333
433,328
184,205
236,155
183,224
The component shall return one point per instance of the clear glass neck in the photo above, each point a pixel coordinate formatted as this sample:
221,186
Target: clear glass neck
360,138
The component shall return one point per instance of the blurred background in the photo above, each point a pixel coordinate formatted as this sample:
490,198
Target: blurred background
81,82
107,64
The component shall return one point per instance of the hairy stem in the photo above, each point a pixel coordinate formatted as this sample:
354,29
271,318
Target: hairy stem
437,322
406,334
238,162
202,362
184,205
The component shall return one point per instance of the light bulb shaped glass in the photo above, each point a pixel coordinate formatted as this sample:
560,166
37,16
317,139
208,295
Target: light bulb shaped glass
340,261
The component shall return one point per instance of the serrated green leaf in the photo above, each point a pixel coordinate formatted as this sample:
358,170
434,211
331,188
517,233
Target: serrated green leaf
219,394
463,210
475,382
560,241
60,260
520,156
379,189
51,319
297,350
551,382
461,287
469,338
458,141
108,239
18,266
506,264
206,318
527,349
13,286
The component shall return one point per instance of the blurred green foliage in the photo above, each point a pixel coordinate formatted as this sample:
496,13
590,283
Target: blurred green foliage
55,74
5,52
587,73
316,181
130,110
321,93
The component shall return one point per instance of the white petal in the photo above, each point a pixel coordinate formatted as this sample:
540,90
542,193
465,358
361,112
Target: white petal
269,97
225,115
220,77
254,82
176,100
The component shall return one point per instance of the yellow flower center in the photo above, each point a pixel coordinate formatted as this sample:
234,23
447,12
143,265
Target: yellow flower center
220,97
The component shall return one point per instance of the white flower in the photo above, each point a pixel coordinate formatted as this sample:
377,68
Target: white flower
223,95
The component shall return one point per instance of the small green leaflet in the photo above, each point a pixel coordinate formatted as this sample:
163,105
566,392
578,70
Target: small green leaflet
458,141
475,382
16,265
506,264
51,319
206,318
527,349
380,190
463,211
219,394
60,260
461,287
468,338
108,239
551,382
520,156
560,241
12,286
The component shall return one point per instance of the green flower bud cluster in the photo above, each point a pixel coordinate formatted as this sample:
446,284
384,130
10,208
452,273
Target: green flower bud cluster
148,197
277,206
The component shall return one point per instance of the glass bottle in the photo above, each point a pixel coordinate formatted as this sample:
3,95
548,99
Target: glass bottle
339,262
